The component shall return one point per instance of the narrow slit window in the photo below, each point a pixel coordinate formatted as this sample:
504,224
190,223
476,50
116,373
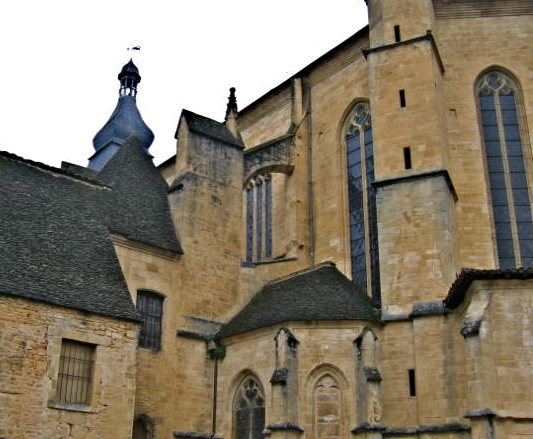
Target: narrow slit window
407,157
412,382
402,98
397,35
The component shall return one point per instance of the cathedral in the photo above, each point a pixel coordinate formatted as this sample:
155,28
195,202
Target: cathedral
348,257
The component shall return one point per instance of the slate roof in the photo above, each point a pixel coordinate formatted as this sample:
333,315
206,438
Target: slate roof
55,244
124,121
465,278
319,293
211,128
139,207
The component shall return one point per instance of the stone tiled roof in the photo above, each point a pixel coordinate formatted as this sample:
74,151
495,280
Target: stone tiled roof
211,128
139,207
319,293
465,278
55,244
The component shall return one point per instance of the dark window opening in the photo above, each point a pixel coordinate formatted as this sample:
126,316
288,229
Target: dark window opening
397,36
402,98
407,157
412,382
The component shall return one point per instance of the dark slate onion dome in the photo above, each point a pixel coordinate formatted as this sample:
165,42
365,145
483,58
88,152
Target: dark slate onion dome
124,121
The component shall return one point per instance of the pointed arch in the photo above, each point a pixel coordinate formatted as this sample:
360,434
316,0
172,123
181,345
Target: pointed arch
143,428
508,165
248,407
362,209
327,386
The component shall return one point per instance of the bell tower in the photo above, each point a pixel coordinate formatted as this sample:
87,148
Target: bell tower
415,196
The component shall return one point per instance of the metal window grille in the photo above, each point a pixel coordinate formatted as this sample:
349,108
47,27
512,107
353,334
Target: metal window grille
150,305
76,364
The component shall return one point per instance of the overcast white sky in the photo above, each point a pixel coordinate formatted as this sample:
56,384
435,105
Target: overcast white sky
59,62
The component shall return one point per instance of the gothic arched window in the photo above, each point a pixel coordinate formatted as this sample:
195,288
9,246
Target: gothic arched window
510,186
259,218
249,410
143,428
362,201
327,408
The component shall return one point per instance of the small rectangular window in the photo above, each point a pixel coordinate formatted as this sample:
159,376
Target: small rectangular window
407,157
412,382
402,98
397,36
75,377
150,305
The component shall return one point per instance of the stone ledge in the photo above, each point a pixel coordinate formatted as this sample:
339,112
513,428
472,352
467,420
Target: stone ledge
194,435
284,426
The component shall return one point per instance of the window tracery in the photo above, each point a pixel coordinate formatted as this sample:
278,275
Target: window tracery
362,200
506,160
249,410
259,218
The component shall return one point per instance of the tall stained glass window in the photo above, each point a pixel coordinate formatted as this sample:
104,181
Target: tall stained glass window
362,201
510,184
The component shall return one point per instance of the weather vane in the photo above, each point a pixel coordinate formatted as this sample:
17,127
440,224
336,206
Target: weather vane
133,49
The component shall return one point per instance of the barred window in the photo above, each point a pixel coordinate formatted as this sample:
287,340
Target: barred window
143,428
74,381
259,218
150,305
362,201
506,158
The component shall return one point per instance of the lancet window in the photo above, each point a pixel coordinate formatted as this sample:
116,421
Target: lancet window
362,201
259,218
507,157
249,410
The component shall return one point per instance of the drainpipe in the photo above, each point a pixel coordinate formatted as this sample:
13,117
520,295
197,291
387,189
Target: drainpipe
215,391
216,353
310,177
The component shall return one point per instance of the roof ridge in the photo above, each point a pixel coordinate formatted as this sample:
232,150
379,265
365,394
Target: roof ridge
303,271
44,167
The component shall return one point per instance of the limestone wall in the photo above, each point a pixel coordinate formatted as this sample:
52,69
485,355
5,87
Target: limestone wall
30,345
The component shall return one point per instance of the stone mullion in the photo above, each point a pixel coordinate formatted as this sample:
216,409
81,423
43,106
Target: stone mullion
507,176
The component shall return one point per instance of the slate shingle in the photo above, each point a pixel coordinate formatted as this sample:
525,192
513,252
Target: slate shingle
319,293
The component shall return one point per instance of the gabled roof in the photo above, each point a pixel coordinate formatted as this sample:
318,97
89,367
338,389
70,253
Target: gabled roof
318,293
139,207
54,244
209,127
460,286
